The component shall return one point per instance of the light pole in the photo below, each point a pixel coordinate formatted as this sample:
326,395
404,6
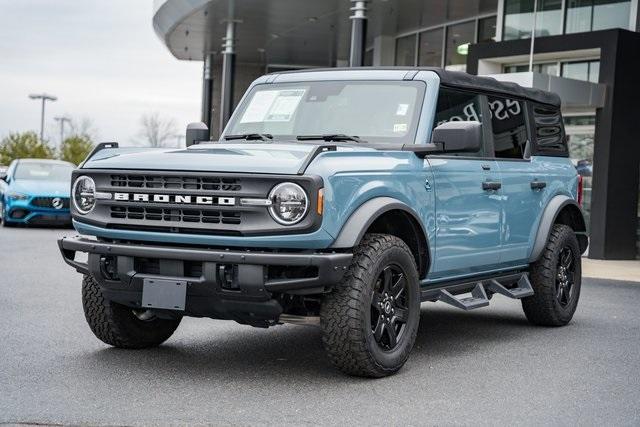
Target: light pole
62,120
44,97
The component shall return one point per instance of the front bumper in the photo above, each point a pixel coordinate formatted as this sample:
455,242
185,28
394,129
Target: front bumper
231,284
24,212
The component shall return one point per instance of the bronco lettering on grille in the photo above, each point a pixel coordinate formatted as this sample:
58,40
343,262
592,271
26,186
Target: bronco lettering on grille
174,198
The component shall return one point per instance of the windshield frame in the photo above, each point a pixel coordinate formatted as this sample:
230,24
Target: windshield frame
407,139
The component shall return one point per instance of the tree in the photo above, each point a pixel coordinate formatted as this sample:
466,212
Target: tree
83,127
76,148
22,146
156,131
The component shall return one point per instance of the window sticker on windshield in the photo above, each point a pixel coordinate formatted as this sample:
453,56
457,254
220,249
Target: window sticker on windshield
399,127
284,106
259,106
402,109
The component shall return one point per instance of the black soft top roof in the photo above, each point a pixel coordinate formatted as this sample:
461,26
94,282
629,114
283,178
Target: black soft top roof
489,84
464,81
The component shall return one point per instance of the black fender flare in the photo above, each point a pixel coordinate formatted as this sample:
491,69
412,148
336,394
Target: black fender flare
549,216
361,219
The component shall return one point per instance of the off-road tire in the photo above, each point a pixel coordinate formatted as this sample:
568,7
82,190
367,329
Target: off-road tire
543,307
117,325
345,314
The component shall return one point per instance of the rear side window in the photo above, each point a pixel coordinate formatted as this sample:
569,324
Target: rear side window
458,106
550,140
509,127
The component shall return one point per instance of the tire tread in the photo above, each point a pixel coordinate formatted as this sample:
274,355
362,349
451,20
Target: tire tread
342,312
116,325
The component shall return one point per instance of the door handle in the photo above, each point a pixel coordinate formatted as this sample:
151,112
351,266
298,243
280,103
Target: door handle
538,185
491,185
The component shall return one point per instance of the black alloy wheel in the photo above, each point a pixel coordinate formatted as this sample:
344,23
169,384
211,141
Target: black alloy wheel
389,311
565,276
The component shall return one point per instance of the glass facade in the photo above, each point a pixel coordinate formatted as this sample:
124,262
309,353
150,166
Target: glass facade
579,70
580,132
487,29
459,37
406,50
550,68
583,70
518,18
580,16
591,15
435,13
430,49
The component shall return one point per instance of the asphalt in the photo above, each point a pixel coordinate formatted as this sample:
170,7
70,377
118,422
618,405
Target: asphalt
487,367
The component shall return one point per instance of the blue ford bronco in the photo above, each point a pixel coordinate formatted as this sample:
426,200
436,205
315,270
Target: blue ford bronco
342,198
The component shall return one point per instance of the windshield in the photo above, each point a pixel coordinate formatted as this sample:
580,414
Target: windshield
374,111
44,171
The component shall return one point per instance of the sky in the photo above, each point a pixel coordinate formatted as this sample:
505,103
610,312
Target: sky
103,61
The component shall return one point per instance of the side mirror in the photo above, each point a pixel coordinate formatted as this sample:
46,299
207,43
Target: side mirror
458,137
196,132
3,175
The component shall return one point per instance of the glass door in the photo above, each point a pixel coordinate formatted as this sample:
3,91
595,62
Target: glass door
580,130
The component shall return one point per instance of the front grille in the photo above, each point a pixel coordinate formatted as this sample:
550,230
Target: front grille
191,202
177,182
176,215
47,202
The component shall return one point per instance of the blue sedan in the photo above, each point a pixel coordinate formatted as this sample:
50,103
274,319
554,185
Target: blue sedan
35,191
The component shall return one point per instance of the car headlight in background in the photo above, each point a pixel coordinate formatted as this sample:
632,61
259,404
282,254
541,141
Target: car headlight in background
17,196
83,194
289,203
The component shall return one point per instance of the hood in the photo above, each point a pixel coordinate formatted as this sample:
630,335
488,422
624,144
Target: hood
259,157
41,188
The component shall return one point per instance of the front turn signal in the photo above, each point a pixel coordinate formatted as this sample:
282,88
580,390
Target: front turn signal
320,208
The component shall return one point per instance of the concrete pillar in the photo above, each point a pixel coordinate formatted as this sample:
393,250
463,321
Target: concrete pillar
228,73
616,157
207,90
384,50
358,33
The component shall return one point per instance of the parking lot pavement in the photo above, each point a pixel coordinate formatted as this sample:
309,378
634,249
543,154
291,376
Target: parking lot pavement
484,367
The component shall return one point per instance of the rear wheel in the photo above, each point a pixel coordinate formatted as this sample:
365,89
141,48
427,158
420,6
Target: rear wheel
370,320
556,279
122,326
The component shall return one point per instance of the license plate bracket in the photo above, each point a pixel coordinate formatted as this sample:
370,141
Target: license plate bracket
164,294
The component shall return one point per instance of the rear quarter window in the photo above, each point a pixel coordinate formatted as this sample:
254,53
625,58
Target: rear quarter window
549,131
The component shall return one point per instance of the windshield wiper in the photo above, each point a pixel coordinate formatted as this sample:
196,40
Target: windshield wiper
250,136
329,137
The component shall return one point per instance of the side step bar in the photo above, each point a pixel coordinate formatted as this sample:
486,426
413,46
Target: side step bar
515,286
477,299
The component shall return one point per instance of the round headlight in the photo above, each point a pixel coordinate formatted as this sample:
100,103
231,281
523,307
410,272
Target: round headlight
289,203
83,194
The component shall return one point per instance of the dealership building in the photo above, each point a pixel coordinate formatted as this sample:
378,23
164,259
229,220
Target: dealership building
587,51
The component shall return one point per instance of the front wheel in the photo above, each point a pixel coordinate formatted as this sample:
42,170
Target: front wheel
556,279
370,320
121,326
4,222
